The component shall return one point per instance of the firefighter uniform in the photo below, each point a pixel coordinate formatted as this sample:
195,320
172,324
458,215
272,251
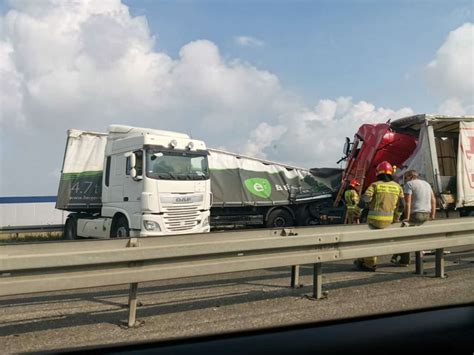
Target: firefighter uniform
386,203
385,199
352,199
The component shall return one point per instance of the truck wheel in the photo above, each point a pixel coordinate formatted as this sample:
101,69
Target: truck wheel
279,219
70,228
121,229
303,217
466,212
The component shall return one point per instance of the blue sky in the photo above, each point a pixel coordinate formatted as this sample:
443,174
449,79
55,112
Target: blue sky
370,50
313,73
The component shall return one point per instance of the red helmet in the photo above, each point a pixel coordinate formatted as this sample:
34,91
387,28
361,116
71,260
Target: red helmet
384,168
354,183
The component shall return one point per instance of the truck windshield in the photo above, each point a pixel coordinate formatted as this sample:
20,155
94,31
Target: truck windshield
176,165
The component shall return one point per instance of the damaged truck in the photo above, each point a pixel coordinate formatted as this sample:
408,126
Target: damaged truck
135,181
256,192
440,148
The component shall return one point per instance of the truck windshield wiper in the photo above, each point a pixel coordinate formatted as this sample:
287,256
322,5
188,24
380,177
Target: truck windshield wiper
195,177
166,176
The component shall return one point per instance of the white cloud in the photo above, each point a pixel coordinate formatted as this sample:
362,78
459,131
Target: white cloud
314,138
456,107
247,41
261,138
91,62
11,93
87,64
451,72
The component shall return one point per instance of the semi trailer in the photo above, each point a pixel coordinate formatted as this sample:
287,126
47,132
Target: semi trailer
135,181
249,191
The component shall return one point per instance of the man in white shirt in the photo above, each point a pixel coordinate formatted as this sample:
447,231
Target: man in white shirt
420,206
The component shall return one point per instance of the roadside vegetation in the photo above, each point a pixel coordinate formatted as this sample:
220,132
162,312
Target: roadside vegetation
30,237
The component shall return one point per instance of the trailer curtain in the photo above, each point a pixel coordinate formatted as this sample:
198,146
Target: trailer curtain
420,160
242,181
80,186
465,166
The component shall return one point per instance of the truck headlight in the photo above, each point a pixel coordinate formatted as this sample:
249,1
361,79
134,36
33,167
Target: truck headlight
151,226
205,222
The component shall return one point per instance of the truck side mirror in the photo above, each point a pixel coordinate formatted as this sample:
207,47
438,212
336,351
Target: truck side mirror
132,158
133,174
347,147
133,163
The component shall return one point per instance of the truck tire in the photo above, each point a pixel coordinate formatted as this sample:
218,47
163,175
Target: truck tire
70,228
466,212
279,219
121,228
303,217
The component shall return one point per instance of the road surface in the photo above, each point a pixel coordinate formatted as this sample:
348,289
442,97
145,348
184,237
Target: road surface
226,303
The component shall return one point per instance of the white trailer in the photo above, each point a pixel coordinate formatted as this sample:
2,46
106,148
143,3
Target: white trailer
444,156
134,182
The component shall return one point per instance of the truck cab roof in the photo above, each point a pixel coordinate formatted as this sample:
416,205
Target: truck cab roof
118,131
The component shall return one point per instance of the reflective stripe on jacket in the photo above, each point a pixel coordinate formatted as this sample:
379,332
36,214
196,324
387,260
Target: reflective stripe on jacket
352,198
384,200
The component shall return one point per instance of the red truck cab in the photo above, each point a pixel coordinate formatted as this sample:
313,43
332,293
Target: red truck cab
373,143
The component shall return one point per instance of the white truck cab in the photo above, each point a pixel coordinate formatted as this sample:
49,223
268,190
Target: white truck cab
153,183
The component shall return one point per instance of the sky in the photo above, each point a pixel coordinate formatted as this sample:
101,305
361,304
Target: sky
282,80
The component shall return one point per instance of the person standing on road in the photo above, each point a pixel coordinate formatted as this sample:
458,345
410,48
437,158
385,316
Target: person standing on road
352,198
386,204
420,204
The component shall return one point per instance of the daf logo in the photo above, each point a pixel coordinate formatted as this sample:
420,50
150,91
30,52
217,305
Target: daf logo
183,199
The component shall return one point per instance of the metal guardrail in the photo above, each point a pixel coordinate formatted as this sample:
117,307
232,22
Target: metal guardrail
67,265
32,229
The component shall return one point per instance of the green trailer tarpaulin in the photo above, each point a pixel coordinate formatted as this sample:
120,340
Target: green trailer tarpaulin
239,180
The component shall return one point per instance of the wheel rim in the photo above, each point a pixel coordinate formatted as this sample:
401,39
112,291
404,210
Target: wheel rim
279,222
122,232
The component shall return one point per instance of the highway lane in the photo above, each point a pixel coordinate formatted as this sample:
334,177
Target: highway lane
226,303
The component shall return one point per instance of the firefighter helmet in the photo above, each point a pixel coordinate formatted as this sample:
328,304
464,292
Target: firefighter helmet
384,168
354,183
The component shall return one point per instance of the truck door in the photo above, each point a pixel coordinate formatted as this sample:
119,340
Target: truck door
124,191
117,173
132,189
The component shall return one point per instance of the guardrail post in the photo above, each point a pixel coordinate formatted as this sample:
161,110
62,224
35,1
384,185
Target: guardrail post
295,276
132,298
418,263
317,281
440,263
132,305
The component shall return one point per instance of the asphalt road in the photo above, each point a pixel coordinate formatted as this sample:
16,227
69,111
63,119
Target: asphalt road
226,303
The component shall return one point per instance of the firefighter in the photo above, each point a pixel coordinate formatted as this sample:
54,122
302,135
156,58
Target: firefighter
351,196
386,203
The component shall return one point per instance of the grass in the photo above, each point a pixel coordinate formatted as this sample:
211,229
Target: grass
6,238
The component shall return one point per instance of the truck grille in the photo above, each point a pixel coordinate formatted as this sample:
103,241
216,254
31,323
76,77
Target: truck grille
181,218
